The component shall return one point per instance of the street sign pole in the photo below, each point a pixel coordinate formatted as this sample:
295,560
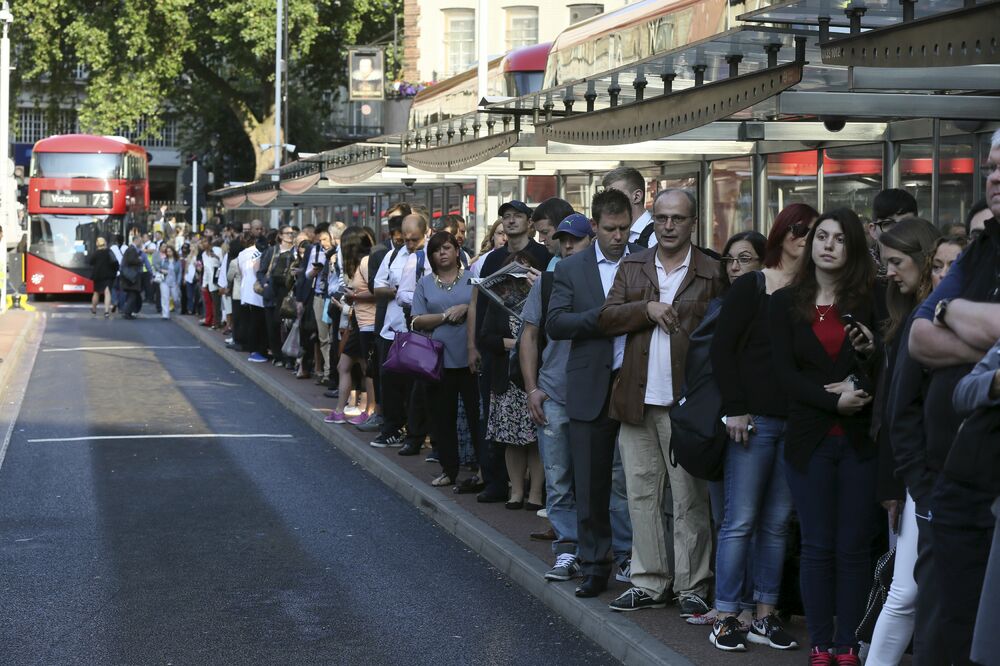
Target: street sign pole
195,218
6,185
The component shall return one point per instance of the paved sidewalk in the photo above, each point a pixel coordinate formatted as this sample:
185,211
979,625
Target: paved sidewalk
500,536
15,325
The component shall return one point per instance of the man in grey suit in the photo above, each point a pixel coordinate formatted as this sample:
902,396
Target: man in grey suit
580,286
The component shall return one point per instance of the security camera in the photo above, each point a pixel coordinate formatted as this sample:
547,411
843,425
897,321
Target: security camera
833,123
409,182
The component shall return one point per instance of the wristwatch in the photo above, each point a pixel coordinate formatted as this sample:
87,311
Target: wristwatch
941,311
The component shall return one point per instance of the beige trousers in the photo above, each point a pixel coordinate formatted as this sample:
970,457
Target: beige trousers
645,451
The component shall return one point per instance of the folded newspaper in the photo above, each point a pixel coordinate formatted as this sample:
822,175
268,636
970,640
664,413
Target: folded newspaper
508,287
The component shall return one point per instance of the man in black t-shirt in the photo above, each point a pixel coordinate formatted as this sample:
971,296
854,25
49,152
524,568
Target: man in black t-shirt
516,216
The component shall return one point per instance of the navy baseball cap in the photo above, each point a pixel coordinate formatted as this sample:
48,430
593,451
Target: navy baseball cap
519,206
576,224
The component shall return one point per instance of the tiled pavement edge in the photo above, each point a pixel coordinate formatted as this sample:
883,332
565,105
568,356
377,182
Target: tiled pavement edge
15,328
616,634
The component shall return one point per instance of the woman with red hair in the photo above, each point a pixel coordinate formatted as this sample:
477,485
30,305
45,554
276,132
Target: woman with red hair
757,504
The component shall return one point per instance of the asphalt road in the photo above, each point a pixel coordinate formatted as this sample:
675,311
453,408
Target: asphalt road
202,550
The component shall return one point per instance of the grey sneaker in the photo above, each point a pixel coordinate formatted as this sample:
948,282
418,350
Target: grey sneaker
635,599
691,604
566,568
624,572
373,423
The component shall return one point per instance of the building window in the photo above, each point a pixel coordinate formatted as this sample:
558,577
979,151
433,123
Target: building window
34,124
459,40
522,27
584,11
165,138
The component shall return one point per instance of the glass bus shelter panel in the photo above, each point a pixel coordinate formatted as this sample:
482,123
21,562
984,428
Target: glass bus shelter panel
878,13
732,202
958,173
916,159
538,189
791,178
577,189
852,176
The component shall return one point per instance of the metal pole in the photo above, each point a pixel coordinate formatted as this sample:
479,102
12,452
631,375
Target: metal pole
278,50
194,196
936,170
7,205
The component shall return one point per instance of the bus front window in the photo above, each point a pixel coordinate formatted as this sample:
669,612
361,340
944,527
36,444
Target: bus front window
76,165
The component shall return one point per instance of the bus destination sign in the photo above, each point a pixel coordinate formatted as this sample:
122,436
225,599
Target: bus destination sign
70,199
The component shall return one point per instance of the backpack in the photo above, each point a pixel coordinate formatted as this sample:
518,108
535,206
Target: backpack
514,363
698,437
643,239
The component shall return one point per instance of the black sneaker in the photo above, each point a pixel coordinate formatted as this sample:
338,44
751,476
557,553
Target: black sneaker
691,604
635,599
726,635
410,448
384,440
770,632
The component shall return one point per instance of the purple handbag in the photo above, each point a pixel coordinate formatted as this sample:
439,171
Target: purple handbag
416,355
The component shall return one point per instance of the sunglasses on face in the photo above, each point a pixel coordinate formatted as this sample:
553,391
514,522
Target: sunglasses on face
800,229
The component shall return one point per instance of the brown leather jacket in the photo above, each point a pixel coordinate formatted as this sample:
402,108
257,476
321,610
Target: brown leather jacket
624,311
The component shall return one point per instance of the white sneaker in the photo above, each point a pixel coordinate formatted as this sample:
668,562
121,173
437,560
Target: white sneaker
542,513
624,572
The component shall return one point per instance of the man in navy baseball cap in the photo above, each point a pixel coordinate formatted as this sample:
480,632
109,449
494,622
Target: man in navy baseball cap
515,205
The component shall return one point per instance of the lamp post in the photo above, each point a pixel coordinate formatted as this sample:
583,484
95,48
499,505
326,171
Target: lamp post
7,213
278,62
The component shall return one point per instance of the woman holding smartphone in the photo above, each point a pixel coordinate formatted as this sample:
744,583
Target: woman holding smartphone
827,369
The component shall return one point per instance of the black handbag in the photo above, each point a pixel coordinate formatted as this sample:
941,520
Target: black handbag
876,598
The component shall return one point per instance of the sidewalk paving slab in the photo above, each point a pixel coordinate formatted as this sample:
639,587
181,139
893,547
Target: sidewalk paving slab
498,535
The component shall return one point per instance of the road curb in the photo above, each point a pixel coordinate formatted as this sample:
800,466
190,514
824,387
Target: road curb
620,637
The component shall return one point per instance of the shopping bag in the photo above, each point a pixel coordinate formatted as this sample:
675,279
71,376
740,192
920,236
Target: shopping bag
291,347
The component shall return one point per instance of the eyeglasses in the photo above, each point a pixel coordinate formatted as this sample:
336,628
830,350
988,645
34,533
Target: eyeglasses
800,229
675,220
885,224
988,169
744,259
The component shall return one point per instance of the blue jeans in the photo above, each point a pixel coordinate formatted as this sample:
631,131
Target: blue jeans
560,500
758,506
835,499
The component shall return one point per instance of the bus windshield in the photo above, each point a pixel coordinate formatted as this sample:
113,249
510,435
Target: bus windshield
70,240
76,165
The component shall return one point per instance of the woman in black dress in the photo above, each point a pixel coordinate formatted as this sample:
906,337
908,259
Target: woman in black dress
105,268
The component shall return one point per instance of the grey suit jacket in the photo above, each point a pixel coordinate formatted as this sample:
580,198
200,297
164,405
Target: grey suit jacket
576,301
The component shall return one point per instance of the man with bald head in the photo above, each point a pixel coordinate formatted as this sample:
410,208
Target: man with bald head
396,388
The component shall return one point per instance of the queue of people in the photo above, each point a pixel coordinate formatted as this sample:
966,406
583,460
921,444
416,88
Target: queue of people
854,364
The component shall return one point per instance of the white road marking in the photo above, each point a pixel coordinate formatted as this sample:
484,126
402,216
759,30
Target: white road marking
177,436
70,349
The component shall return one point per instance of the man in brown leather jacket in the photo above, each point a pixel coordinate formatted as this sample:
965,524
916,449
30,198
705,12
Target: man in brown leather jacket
658,298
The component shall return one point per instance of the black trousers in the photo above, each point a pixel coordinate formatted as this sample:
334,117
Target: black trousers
396,390
418,413
592,451
928,644
963,534
443,399
133,302
272,322
255,329
239,324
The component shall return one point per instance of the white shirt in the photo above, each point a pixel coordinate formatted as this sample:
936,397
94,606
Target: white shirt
637,228
247,260
390,276
659,377
210,263
608,269
408,279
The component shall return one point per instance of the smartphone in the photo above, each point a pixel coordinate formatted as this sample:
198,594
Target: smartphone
851,322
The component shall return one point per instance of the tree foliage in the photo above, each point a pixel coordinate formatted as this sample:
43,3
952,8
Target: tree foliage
211,63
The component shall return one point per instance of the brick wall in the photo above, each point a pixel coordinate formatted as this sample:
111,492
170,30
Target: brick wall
411,37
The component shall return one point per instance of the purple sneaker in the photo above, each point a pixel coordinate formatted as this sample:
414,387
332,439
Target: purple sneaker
335,417
358,419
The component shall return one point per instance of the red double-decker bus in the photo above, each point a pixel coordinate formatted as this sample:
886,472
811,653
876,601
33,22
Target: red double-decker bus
82,187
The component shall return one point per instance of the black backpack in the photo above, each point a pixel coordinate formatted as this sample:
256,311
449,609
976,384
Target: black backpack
697,435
